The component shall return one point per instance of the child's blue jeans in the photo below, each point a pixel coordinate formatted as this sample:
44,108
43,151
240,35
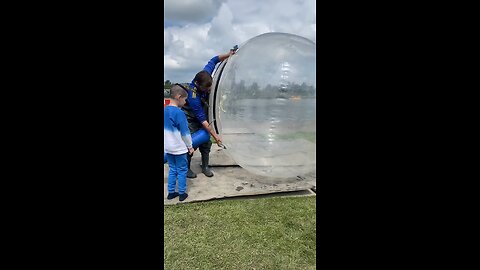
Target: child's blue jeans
178,165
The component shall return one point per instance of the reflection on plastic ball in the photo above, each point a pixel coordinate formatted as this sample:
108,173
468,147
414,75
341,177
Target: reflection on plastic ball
266,105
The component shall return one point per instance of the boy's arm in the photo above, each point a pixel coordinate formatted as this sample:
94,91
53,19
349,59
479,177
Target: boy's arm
184,131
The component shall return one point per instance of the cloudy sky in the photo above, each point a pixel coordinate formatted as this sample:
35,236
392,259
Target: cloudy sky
196,30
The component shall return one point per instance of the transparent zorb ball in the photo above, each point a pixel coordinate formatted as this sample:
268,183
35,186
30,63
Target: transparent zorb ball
264,100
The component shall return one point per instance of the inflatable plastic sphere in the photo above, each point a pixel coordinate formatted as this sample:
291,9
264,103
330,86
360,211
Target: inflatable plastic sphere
264,100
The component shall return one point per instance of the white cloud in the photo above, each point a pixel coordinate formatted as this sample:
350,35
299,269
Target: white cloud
205,28
196,11
221,30
171,63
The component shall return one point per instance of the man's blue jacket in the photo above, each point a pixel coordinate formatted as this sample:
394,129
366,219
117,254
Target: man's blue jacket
194,97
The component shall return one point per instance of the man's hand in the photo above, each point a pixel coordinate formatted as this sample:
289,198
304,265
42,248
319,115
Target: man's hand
190,151
217,139
225,56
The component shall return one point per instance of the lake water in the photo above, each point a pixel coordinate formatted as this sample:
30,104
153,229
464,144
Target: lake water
271,137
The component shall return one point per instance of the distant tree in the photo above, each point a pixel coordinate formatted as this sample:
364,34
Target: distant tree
241,90
167,84
166,88
311,91
254,88
166,93
267,92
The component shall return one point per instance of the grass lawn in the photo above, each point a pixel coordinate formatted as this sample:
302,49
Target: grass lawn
268,233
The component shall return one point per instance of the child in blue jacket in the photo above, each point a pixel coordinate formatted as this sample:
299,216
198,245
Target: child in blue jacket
177,143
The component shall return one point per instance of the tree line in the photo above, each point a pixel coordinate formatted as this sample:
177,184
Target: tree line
269,91
285,90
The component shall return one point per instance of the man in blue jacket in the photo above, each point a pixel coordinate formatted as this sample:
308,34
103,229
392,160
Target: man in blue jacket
196,110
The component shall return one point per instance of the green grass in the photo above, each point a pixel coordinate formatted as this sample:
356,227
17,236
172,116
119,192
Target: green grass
269,233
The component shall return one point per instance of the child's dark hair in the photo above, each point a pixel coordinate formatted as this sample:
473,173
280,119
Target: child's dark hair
177,90
203,78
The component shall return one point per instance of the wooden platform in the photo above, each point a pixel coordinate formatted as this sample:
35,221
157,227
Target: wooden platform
230,180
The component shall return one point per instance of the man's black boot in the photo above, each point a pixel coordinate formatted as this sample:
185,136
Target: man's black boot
190,173
205,169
